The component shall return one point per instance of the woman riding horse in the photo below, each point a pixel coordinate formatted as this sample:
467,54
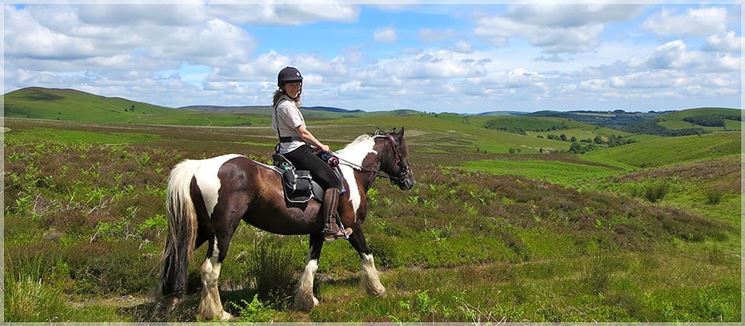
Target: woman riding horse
207,199
294,138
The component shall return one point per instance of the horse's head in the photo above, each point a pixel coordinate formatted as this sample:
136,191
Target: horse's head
393,158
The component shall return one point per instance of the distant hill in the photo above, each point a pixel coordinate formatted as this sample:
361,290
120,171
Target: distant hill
262,109
71,104
501,113
710,119
74,105
669,123
667,150
253,109
331,109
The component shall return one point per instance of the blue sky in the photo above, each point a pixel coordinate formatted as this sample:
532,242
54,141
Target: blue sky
441,58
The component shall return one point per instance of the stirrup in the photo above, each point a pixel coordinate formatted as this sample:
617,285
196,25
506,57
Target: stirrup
330,235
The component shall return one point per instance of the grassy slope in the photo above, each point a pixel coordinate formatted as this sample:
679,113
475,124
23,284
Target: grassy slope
447,131
460,246
68,104
661,151
674,120
565,173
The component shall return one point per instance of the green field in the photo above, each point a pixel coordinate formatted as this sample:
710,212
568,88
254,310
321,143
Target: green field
666,150
492,232
675,120
558,172
72,105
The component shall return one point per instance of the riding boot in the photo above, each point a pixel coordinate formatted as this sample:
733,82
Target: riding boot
331,230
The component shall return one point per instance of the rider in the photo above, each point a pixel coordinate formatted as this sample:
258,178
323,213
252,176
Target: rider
294,141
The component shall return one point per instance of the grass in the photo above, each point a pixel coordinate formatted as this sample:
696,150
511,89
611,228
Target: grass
543,170
78,136
662,151
674,120
73,105
85,220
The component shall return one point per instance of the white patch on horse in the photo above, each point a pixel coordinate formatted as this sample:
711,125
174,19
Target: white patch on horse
207,180
354,153
372,279
304,298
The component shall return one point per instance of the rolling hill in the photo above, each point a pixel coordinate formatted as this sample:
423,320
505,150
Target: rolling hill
71,104
729,118
667,150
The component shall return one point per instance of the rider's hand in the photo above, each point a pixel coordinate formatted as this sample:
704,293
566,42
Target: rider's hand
324,147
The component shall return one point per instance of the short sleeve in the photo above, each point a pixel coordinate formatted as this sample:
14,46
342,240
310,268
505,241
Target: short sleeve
290,115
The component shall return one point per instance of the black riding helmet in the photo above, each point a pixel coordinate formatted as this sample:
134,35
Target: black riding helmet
288,75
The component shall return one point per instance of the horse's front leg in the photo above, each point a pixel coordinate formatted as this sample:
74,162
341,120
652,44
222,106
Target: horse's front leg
304,298
371,279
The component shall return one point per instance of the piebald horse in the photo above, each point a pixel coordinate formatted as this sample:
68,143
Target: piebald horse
207,199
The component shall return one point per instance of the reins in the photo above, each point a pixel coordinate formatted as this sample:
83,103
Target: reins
378,173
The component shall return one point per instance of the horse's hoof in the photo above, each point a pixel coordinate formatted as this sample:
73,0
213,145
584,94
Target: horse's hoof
302,304
226,316
376,291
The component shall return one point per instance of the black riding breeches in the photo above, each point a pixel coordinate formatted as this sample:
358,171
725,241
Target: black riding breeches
304,159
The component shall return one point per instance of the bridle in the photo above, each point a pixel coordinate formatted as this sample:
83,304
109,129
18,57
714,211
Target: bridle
380,174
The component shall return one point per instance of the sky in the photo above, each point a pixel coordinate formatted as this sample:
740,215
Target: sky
427,57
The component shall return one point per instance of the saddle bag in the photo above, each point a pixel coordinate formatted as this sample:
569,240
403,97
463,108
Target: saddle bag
298,184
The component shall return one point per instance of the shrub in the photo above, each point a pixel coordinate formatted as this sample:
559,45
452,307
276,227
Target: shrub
30,294
271,266
713,197
254,311
656,191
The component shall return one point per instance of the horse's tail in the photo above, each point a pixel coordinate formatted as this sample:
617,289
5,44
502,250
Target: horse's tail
182,232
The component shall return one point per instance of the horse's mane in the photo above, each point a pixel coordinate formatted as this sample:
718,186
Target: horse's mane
357,149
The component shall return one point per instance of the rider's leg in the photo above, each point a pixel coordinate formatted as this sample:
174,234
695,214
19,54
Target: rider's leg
304,159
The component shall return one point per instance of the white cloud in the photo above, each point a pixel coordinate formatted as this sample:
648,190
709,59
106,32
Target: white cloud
440,64
184,14
568,16
672,54
285,14
386,35
512,79
204,56
699,22
675,55
25,37
463,47
552,39
431,35
62,35
554,28
724,43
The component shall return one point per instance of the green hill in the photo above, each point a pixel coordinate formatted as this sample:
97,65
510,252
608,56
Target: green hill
687,118
70,104
667,150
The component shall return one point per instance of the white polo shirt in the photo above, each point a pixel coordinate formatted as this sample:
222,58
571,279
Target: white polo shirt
285,118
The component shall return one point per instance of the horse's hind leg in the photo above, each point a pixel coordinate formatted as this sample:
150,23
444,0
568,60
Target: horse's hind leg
371,279
225,218
210,306
304,298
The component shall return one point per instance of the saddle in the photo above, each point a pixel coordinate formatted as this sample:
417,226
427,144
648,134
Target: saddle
298,185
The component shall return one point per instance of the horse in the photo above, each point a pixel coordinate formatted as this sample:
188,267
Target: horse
207,199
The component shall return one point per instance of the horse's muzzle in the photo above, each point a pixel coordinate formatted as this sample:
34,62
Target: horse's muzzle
407,183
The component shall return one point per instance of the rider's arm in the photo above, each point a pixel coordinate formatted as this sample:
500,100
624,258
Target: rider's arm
309,138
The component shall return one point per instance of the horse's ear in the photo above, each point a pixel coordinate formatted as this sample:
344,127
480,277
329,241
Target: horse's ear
401,133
